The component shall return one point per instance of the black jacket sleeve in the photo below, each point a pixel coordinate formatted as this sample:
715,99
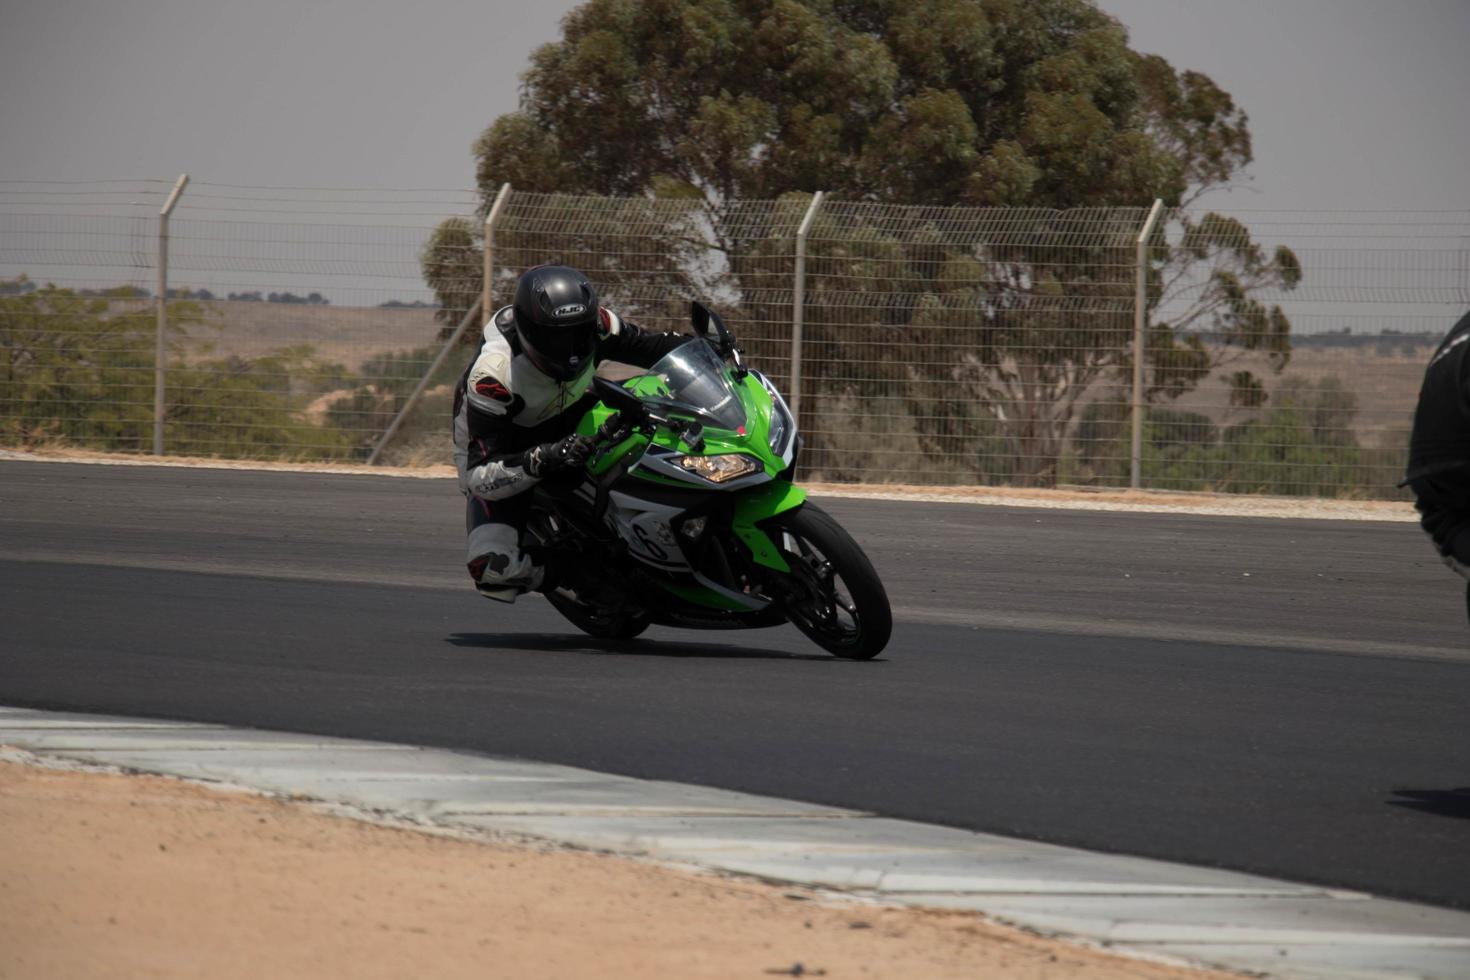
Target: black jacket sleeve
627,343
1443,502
1439,447
1441,436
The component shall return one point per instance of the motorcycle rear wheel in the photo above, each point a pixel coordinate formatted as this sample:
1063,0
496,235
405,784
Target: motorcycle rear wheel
840,603
605,624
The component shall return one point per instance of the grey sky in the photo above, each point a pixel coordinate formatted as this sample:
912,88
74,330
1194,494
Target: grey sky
1353,104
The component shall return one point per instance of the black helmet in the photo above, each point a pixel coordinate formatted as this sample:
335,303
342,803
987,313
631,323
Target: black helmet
556,319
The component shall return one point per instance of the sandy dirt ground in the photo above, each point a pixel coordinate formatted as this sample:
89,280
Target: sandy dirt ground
139,876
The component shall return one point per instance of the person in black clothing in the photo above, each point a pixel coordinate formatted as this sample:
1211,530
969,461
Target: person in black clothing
1439,450
517,405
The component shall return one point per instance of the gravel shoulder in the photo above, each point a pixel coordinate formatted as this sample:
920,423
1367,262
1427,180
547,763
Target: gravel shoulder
131,876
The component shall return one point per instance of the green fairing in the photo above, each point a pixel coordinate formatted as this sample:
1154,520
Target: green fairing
764,502
750,505
754,441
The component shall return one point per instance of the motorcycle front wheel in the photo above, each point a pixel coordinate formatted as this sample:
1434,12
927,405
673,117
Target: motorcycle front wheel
837,599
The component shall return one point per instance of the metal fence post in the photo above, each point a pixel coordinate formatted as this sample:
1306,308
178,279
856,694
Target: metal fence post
158,345
489,276
798,305
484,305
1140,322
470,316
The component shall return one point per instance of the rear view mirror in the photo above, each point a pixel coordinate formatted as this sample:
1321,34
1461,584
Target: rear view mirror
726,338
702,318
699,315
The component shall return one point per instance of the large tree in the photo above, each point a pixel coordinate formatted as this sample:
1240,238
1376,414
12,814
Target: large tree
1039,102
1024,103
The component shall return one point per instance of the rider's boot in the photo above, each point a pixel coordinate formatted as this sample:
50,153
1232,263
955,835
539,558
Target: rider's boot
492,582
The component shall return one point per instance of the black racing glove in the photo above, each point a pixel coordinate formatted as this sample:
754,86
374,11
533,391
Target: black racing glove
551,458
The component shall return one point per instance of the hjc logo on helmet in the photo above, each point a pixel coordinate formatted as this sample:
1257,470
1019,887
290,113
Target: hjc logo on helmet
572,309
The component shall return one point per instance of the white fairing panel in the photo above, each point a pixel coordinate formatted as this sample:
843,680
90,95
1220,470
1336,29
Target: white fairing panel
648,528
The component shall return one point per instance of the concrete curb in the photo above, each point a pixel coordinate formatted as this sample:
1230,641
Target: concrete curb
1134,906
1118,501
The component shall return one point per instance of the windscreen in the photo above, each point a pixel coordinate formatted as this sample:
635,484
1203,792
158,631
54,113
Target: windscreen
696,378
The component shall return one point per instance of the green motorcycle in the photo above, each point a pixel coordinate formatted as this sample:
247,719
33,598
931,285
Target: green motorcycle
687,515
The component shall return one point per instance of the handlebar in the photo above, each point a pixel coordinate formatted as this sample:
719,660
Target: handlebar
631,412
618,427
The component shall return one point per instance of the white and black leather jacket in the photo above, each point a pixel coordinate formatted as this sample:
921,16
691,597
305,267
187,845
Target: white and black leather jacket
504,406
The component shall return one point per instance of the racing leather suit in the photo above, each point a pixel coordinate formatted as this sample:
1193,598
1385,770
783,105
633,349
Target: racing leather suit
504,407
1439,449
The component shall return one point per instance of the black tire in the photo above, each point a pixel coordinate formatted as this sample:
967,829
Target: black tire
605,624
839,602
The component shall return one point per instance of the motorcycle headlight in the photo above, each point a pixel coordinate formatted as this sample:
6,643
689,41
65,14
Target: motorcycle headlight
722,468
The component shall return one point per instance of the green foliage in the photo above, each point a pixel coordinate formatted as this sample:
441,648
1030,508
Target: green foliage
383,386
940,101
1221,306
684,109
79,370
452,262
69,365
857,439
251,408
1104,433
1303,444
1246,390
399,372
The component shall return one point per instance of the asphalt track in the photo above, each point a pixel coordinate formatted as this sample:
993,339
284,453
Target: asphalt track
1282,697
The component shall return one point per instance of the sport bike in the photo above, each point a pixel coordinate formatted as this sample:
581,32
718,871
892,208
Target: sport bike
687,514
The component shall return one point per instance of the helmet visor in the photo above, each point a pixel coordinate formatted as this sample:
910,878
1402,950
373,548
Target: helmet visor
561,351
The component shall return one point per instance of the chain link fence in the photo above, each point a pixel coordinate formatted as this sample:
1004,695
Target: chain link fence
297,319
1282,352
1318,327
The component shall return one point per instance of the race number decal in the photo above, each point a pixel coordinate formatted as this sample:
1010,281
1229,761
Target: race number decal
649,548
646,528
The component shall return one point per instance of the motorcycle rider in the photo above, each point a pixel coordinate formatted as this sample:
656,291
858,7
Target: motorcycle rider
1439,450
516,408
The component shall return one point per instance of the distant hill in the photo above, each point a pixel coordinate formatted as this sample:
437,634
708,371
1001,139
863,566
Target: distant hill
1385,344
